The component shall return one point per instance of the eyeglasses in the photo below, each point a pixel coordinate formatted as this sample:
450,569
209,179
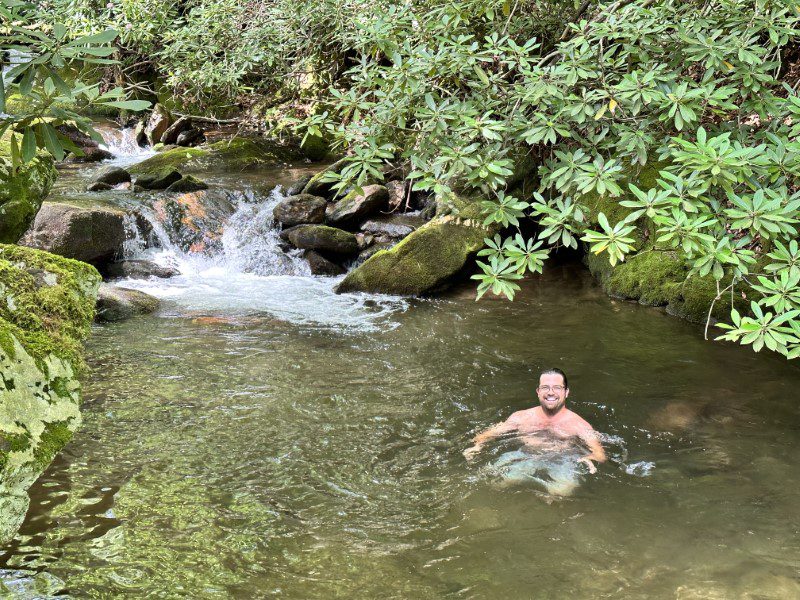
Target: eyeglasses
555,388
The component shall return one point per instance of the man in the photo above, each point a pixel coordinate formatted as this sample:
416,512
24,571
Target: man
548,429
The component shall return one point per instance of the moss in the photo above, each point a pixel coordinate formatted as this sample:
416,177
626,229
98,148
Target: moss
317,187
46,309
659,278
237,154
459,206
315,148
422,262
21,195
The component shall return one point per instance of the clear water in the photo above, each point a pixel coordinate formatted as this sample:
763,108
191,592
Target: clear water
262,437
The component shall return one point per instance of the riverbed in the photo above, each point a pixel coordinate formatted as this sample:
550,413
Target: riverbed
260,436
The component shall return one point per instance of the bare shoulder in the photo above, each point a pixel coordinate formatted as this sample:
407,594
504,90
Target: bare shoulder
578,425
523,416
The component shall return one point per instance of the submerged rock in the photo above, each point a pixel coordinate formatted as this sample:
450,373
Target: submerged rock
421,263
46,309
21,195
93,235
303,208
111,176
186,184
322,238
119,303
138,269
355,207
99,186
322,266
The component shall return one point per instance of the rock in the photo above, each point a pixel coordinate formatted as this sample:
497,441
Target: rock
659,278
138,269
21,195
88,149
373,249
300,209
364,240
355,207
321,265
315,148
159,121
139,134
317,187
392,226
421,263
90,155
118,303
112,176
322,238
194,221
170,135
237,154
159,179
92,235
297,187
45,314
190,137
99,186
397,194
187,184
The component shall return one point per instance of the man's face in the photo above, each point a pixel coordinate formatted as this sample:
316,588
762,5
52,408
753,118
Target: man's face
551,392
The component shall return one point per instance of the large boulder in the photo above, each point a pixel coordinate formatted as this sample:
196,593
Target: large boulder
303,208
158,123
21,194
657,277
425,261
230,156
322,239
46,310
119,303
93,235
357,206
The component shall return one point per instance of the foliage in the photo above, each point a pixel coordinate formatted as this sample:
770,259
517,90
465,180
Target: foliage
42,58
674,111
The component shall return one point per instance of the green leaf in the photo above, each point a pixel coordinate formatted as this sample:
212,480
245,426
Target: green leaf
134,105
28,145
51,141
105,37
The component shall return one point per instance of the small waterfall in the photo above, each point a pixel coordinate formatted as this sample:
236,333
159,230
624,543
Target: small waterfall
249,243
122,144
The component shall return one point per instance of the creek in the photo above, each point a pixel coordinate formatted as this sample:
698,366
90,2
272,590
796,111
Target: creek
261,436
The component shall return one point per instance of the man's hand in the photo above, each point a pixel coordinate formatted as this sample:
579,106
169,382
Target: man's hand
472,451
587,461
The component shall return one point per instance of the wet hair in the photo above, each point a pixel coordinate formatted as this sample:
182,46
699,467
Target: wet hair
555,372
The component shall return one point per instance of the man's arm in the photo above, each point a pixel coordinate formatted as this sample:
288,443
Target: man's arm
492,432
596,452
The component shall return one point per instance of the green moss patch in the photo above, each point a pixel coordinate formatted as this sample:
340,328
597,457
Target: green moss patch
21,194
46,310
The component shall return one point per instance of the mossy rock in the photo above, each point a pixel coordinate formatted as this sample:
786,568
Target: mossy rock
21,195
659,278
423,262
237,154
46,309
317,187
315,148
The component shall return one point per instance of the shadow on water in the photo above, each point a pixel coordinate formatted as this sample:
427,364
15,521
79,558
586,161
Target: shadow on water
294,443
